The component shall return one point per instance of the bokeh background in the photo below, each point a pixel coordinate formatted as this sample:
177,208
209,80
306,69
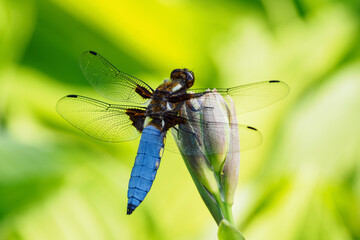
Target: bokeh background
303,182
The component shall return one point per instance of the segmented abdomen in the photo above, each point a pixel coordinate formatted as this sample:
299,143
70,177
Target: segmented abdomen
146,164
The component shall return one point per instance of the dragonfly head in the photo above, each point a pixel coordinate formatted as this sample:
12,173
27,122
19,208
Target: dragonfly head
184,76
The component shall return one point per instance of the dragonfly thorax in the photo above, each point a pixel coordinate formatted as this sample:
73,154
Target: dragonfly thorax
164,106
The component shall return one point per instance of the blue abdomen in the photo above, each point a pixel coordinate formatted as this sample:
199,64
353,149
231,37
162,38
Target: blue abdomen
146,164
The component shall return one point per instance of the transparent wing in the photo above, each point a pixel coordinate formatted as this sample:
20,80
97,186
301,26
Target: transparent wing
253,96
216,133
100,120
186,137
109,81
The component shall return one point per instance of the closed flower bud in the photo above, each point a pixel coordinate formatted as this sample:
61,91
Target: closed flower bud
209,144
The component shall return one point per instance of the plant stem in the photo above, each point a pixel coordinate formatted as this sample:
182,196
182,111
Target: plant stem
228,210
225,209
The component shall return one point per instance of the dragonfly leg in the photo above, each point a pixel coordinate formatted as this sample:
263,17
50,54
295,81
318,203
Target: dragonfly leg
177,132
184,96
196,106
172,120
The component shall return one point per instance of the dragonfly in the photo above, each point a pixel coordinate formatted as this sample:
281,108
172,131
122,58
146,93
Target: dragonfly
151,113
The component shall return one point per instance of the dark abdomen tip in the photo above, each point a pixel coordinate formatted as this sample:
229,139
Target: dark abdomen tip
274,81
252,128
93,53
130,209
72,96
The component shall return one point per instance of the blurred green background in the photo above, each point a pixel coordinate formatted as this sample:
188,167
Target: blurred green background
303,182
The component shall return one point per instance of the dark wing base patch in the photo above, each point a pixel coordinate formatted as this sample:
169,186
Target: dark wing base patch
137,116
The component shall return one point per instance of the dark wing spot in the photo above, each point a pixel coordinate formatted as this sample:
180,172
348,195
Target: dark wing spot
137,116
93,53
143,92
72,96
274,81
251,128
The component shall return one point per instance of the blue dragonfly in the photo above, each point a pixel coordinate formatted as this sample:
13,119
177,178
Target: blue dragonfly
151,113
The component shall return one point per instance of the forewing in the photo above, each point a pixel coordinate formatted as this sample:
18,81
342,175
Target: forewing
192,135
100,120
253,96
109,81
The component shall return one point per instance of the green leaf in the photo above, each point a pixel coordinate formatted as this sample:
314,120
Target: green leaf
229,232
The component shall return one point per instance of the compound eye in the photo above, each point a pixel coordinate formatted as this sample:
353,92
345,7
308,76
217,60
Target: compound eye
190,79
176,74
184,76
